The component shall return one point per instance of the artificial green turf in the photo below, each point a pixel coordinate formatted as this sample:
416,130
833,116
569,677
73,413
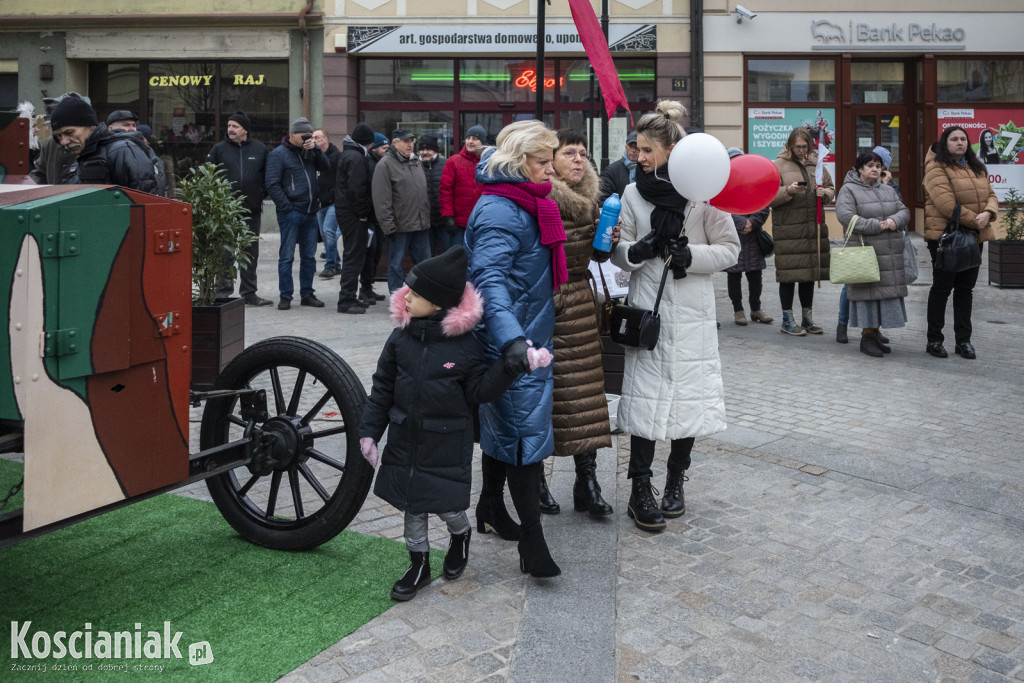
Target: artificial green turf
169,558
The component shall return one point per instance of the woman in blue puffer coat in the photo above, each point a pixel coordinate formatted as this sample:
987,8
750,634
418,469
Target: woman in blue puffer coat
515,241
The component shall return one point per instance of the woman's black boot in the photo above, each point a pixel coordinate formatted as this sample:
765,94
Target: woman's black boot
548,504
643,509
673,504
416,576
586,492
534,556
490,510
458,555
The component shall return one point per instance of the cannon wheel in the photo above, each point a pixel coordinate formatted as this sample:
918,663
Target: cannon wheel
310,479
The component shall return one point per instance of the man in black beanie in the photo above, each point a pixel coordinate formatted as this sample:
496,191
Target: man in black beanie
245,160
54,162
353,207
103,158
433,167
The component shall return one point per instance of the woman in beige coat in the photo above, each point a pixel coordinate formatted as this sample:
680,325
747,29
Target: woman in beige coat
673,392
954,175
801,243
580,411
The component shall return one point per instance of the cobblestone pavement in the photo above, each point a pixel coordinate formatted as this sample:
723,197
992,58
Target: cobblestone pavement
861,519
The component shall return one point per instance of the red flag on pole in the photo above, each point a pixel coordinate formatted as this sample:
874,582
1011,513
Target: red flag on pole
596,47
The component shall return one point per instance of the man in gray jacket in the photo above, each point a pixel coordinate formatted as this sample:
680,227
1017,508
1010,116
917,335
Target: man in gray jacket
401,204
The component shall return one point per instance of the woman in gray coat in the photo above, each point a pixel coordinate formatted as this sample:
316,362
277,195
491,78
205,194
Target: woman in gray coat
880,218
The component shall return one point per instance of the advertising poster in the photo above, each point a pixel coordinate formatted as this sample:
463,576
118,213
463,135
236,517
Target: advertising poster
768,128
997,136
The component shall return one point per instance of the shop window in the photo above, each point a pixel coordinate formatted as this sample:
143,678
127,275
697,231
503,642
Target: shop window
115,85
406,80
636,76
436,123
980,80
877,82
506,80
791,80
260,89
8,91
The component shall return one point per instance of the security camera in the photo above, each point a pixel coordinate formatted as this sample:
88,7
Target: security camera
743,13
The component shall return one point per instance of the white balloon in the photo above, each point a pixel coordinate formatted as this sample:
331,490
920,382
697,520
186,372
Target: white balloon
699,167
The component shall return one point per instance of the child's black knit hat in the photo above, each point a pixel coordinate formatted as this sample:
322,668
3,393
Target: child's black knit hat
442,279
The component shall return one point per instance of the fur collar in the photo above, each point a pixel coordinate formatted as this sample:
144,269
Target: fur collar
456,322
577,203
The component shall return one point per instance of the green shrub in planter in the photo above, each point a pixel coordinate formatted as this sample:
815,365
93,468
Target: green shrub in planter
1006,256
219,230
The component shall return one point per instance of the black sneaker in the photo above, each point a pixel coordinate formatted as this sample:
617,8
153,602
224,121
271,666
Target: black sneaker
351,308
328,273
256,300
370,297
284,304
311,300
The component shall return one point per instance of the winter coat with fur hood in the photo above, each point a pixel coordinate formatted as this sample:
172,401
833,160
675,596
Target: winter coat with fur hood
872,204
580,411
947,186
430,376
799,240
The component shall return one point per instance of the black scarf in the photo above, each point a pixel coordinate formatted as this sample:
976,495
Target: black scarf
669,206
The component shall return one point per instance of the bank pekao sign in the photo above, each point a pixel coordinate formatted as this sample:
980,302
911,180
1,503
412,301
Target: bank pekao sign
486,38
858,35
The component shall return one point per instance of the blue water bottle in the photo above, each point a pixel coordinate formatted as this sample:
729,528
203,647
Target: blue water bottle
605,227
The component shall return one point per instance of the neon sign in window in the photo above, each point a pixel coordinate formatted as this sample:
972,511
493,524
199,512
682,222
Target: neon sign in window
528,79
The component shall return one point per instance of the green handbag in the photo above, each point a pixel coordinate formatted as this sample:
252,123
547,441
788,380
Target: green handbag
854,265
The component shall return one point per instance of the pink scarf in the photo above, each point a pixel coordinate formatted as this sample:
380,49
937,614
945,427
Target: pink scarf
532,198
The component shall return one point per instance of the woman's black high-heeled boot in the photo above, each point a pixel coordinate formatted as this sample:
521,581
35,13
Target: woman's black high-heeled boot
490,509
548,504
586,492
534,556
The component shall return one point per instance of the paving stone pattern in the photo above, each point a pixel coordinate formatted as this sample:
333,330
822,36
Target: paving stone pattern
861,520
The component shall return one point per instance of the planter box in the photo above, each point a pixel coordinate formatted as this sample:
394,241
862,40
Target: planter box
218,335
1006,263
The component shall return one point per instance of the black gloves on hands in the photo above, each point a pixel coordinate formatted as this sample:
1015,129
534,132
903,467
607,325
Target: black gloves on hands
681,256
514,356
449,225
643,250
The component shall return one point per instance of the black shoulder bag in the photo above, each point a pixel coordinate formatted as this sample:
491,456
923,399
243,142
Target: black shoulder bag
958,247
638,327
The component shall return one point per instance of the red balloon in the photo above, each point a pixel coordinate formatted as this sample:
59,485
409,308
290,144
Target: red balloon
753,184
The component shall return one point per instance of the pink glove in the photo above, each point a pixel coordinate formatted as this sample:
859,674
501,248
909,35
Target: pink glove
369,449
539,358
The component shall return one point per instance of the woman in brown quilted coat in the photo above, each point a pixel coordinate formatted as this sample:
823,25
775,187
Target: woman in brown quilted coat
953,175
580,412
801,243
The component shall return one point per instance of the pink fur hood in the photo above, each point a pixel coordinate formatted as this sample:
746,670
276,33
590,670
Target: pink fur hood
458,321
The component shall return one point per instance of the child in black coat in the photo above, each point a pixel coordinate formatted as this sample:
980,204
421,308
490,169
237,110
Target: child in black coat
430,376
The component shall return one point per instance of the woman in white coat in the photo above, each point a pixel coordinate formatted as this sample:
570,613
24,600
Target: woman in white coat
673,392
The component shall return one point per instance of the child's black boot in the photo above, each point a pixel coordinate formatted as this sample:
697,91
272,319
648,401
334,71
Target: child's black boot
458,555
416,577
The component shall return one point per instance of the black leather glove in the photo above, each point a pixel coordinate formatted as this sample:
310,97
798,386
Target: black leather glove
514,356
643,250
679,250
449,225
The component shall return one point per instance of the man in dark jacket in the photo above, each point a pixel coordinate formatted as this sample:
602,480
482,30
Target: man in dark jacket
103,158
244,158
326,217
353,206
401,205
621,173
123,121
291,182
54,162
433,166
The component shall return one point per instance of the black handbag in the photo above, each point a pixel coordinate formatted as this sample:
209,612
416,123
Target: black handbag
765,241
638,327
958,247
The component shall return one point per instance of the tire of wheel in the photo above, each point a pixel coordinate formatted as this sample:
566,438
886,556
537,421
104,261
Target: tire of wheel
252,523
